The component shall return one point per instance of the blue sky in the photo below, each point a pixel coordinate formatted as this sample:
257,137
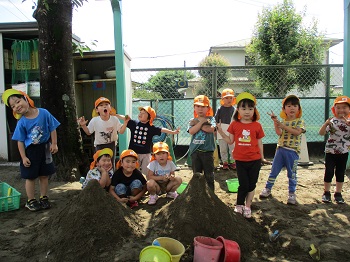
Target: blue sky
165,33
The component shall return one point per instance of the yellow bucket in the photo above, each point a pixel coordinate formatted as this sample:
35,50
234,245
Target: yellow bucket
175,248
155,254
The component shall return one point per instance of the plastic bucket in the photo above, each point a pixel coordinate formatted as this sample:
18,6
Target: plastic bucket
231,251
232,185
175,248
181,188
206,249
154,254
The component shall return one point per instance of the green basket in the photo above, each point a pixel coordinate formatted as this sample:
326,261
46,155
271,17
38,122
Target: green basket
9,198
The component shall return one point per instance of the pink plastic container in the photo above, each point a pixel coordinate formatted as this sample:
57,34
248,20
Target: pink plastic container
206,249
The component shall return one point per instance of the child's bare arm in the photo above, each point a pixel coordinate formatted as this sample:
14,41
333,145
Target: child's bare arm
322,130
125,124
121,117
168,131
22,152
228,139
82,122
53,147
112,192
198,125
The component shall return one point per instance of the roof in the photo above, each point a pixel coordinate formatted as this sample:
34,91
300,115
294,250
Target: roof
24,29
241,44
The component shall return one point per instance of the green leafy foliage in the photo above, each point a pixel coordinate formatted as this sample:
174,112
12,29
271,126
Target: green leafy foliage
81,47
165,83
279,38
213,60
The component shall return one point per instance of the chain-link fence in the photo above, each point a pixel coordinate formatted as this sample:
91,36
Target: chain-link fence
170,91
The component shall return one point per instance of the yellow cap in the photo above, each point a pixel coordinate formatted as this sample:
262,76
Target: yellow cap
101,152
246,95
283,114
11,92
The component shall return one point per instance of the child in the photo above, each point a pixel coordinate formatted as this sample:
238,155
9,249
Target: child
247,135
142,132
202,146
105,124
37,140
161,175
128,184
101,168
224,116
337,148
287,153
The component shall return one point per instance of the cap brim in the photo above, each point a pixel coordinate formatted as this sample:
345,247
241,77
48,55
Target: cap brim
8,93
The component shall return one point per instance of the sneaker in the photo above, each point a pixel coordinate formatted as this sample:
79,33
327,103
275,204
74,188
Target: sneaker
33,205
233,166
292,199
152,199
172,195
247,212
338,198
44,202
265,193
225,166
239,209
326,197
133,204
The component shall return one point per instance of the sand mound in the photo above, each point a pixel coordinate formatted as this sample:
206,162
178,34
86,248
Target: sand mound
199,212
89,228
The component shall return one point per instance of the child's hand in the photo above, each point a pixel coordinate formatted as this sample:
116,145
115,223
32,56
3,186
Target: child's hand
218,126
193,122
265,162
82,121
177,131
26,162
273,116
346,120
53,148
171,177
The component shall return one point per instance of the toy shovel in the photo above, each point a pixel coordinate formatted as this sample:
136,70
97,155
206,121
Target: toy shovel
315,253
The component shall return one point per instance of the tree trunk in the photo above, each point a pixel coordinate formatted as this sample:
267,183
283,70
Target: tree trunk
56,78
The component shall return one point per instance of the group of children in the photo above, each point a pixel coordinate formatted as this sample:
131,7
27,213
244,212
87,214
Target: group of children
147,167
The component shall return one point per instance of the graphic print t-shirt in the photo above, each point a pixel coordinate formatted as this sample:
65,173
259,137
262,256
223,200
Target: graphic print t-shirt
141,136
246,140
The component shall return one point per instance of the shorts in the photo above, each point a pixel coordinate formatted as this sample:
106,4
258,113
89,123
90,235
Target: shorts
162,186
38,156
121,189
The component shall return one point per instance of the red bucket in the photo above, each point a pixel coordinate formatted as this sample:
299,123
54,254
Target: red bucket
231,251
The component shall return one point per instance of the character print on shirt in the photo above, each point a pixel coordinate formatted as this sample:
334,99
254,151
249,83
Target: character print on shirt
245,136
36,134
107,136
140,135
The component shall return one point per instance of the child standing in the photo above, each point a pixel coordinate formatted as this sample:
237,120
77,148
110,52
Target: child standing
289,130
224,116
161,175
105,124
202,146
337,148
37,141
128,184
247,135
142,132
101,168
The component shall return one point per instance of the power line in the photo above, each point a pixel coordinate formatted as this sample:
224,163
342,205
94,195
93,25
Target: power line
12,13
19,10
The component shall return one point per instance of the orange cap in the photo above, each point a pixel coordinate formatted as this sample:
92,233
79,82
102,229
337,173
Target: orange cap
203,100
11,92
101,152
160,147
100,100
340,100
150,111
126,153
228,92
283,114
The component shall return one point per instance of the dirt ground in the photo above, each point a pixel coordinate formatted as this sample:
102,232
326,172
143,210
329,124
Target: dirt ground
89,225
